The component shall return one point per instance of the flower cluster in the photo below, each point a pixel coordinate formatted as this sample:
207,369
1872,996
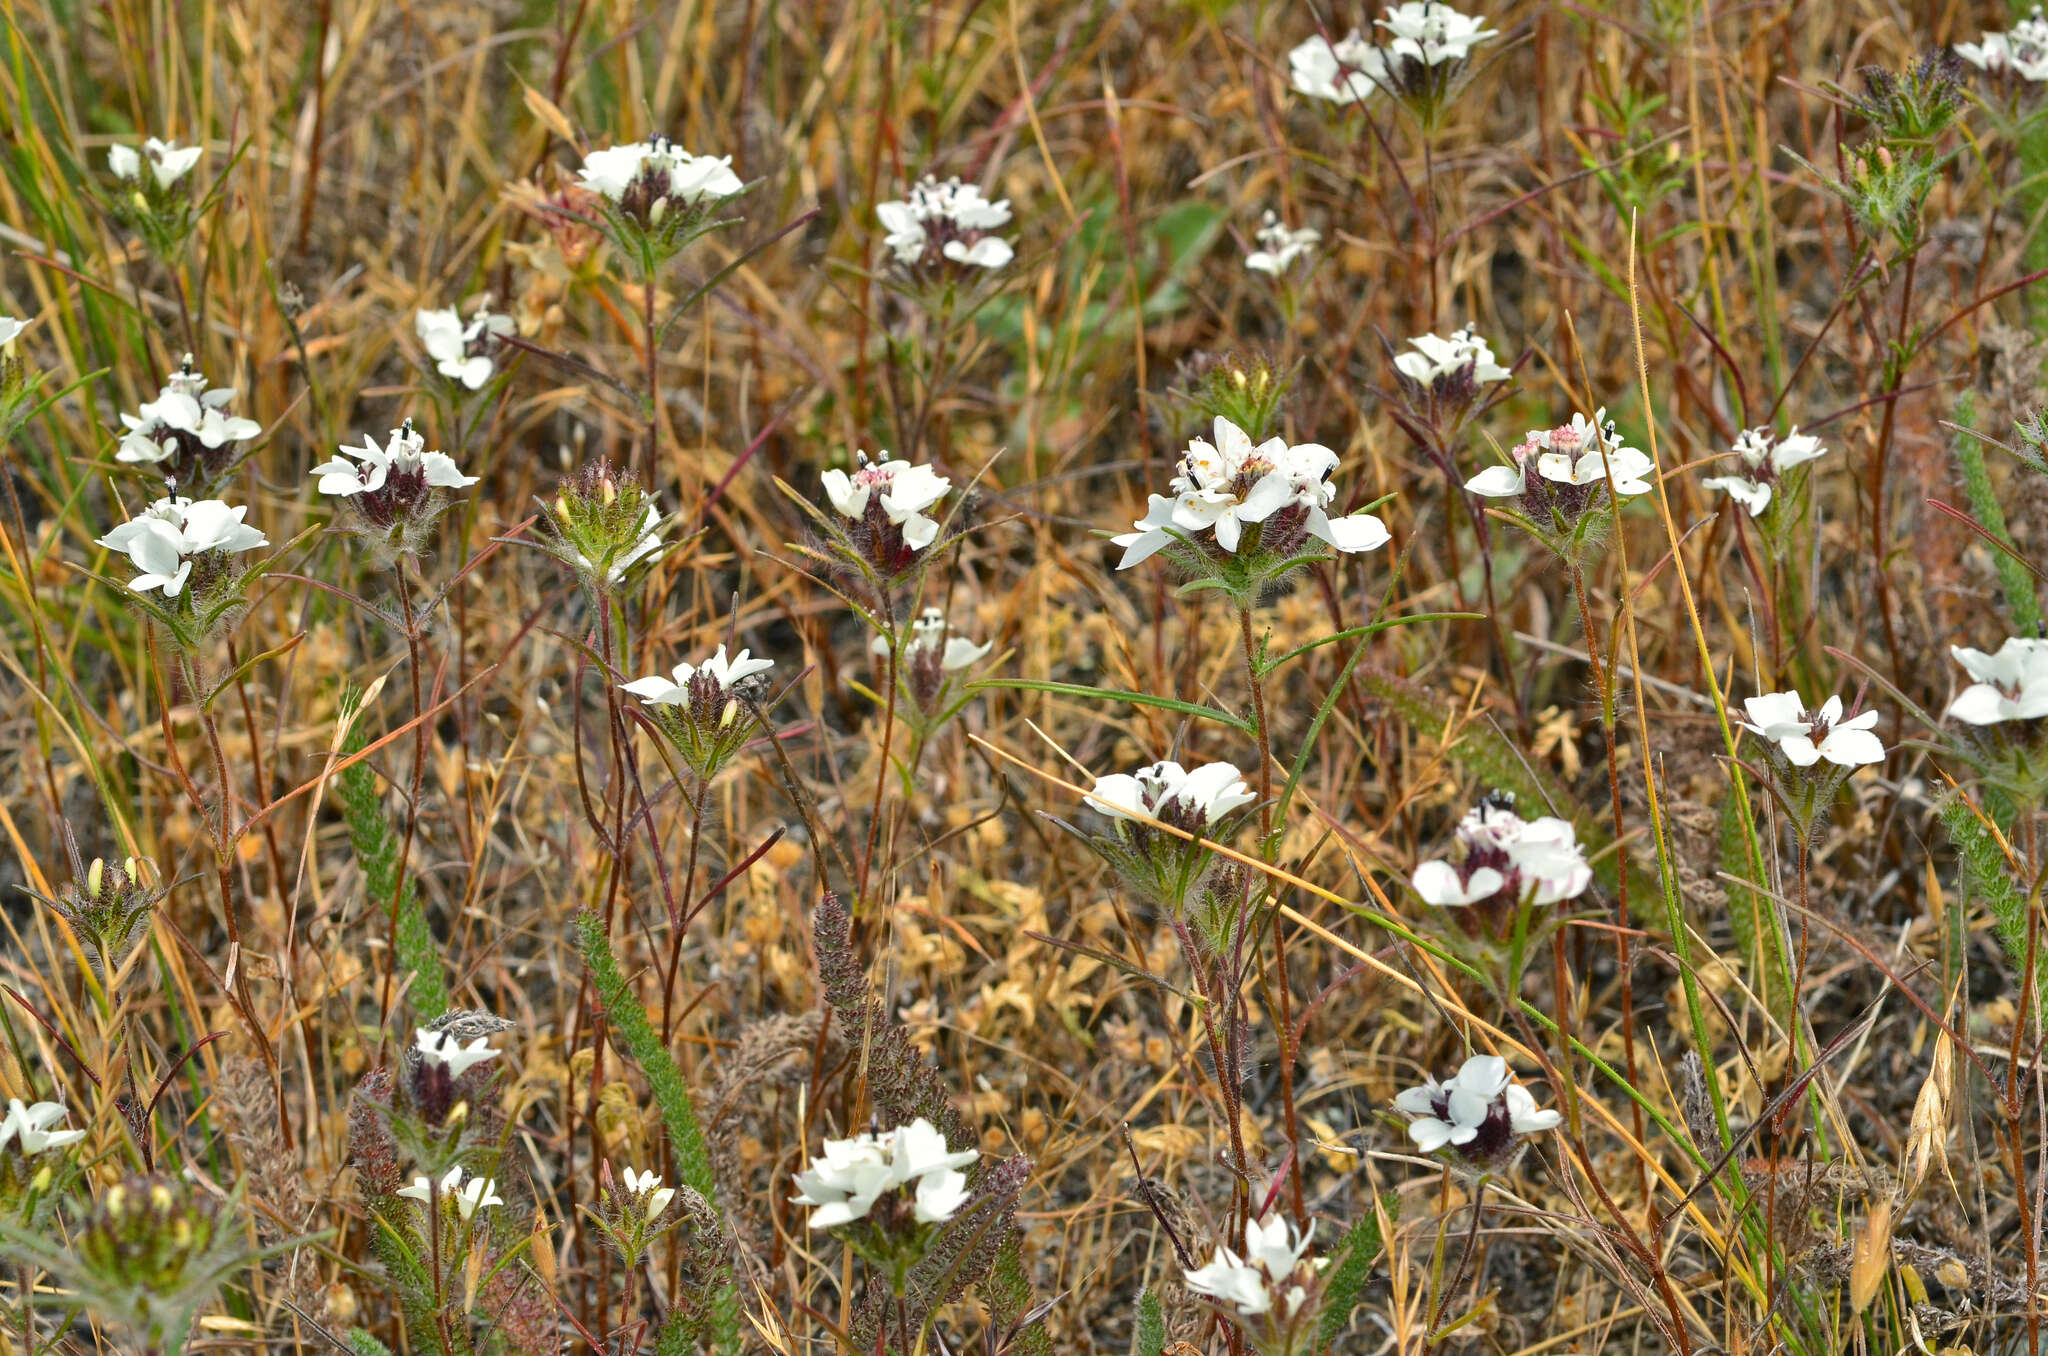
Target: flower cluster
852,1176
602,527
883,523
393,491
1279,246
930,656
937,223
2023,51
1266,1289
656,197
702,709
1762,460
2011,684
1480,1112
1177,874
1280,492
150,201
1443,378
1195,801
465,352
1803,736
186,433
176,539
442,1071
166,161
1574,468
632,1216
465,1197
1419,58
1505,860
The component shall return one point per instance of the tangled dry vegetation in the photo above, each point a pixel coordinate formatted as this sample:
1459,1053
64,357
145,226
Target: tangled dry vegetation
403,955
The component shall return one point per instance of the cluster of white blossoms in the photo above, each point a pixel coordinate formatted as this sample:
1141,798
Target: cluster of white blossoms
2011,684
446,1051
889,493
1421,32
1435,358
931,635
1226,485
468,1196
706,686
1762,461
187,424
1279,247
948,220
1571,462
643,178
463,351
392,478
1171,794
1480,1111
843,1183
166,539
29,1128
166,161
1805,736
1266,1279
2023,51
1506,858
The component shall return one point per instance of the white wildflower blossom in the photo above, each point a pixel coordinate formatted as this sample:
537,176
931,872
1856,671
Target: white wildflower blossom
1170,793
659,171
30,1127
1480,1111
401,465
1762,461
1345,72
2011,684
166,161
949,220
647,1187
187,426
1279,247
164,540
462,350
899,491
440,1048
843,1183
1436,357
1503,856
1265,1278
1805,736
1432,33
468,1197
721,673
2022,51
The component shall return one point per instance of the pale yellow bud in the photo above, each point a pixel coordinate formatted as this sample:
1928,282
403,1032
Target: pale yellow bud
94,874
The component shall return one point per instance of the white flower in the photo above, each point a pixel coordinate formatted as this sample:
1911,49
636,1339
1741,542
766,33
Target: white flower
2023,51
400,463
1346,72
162,540
1506,855
1248,1283
1432,33
29,1127
1805,736
1279,247
663,169
168,162
187,417
1170,793
438,1047
660,691
10,330
1437,357
479,1192
843,1183
2011,684
951,218
1581,454
1763,462
1480,1110
459,349
642,1183
930,633
1223,486
902,491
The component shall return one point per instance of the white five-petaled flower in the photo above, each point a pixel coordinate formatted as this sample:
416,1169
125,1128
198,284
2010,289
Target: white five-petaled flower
2012,684
1251,1284
186,411
1279,246
1578,455
1480,1111
162,540
931,633
1762,462
2023,50
1439,357
1806,736
438,1047
901,490
401,457
1506,856
10,330
1225,485
659,691
1431,32
648,1185
168,162
459,349
843,1183
1344,72
1171,794
477,1193
665,170
950,218
29,1127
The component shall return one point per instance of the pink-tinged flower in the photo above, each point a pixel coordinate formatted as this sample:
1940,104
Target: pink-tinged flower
1806,736
900,492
